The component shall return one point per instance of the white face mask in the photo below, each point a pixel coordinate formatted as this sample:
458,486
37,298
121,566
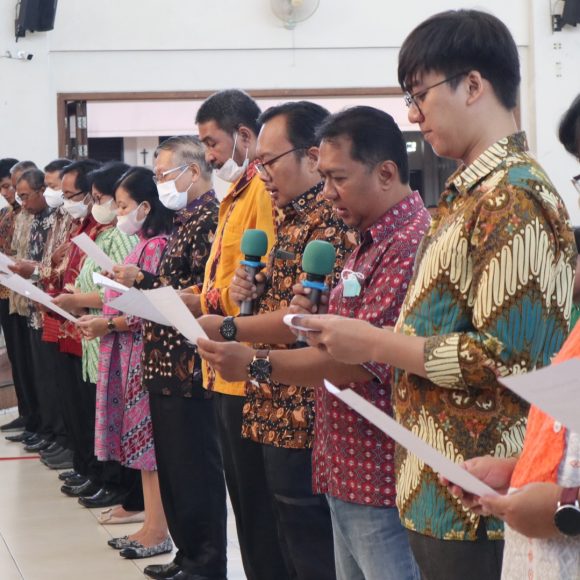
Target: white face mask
103,213
76,209
53,197
18,200
230,170
170,197
129,224
3,203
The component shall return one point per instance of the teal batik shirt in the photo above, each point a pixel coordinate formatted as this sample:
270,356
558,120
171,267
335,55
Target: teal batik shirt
117,246
492,292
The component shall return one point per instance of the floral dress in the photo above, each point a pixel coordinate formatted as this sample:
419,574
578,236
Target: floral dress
123,430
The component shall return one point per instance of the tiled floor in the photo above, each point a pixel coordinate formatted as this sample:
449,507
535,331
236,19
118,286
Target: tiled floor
47,536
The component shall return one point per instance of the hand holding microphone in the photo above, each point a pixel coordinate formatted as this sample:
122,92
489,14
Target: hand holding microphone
254,245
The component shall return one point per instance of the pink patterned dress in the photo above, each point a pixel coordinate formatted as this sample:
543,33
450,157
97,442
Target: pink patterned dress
123,430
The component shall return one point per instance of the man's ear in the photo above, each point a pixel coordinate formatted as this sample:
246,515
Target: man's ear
245,135
475,86
387,172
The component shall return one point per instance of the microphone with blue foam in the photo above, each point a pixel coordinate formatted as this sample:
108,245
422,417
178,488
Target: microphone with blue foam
317,262
254,245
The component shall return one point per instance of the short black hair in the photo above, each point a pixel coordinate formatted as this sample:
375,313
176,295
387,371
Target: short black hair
34,178
230,109
302,120
57,165
458,41
104,178
22,166
6,164
82,169
138,183
569,131
374,135
187,149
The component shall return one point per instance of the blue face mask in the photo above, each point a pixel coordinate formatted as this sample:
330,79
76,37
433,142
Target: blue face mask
350,283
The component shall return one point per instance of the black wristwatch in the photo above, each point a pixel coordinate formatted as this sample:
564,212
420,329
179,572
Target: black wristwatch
260,369
228,329
567,516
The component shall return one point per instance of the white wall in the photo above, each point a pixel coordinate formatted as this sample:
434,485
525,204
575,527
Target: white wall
185,45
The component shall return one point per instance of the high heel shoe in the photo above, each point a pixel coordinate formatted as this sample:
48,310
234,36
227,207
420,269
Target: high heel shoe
138,551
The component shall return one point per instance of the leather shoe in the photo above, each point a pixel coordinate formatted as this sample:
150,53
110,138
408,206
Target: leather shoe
52,449
75,480
162,571
64,460
19,437
14,425
87,488
67,474
38,446
103,498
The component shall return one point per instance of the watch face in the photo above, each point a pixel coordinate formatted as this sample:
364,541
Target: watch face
567,520
228,328
260,370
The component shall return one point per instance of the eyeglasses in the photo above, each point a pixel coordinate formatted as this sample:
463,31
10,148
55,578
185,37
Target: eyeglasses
161,177
68,195
576,183
261,165
411,98
104,200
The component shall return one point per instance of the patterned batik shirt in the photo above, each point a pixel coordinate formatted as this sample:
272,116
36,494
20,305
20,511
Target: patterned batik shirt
40,228
7,216
492,291
352,460
21,236
273,413
171,365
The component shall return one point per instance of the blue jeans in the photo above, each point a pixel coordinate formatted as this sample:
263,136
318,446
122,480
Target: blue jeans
370,543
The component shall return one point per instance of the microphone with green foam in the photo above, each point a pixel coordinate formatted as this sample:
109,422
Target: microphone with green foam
317,262
254,245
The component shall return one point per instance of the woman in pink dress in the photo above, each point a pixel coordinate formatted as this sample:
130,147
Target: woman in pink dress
123,429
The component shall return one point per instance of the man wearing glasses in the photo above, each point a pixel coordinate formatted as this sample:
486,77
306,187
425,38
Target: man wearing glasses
280,417
491,291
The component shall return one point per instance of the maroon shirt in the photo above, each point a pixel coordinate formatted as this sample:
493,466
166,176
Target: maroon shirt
353,461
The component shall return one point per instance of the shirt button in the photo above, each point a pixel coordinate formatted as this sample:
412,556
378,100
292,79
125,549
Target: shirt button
557,426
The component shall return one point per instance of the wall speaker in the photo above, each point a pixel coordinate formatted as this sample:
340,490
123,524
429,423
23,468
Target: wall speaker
35,15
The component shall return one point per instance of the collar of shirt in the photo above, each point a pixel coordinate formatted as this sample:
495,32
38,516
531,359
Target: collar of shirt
243,182
304,202
183,215
47,211
467,177
393,219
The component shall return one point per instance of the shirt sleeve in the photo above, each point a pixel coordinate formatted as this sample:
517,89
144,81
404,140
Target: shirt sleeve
515,268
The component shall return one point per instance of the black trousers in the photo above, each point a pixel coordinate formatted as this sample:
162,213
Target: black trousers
44,363
457,560
260,545
191,482
23,367
303,518
10,338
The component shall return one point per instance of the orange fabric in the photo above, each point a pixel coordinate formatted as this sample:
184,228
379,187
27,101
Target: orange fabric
543,447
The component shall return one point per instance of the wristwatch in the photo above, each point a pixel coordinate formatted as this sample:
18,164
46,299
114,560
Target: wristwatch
111,325
35,276
567,516
260,369
228,329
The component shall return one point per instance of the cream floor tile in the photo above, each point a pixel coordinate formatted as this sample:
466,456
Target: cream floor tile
8,568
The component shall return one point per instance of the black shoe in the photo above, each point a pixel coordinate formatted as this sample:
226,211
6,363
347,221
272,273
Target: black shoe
87,488
76,480
64,460
20,437
52,449
162,571
32,439
68,474
103,498
38,446
14,425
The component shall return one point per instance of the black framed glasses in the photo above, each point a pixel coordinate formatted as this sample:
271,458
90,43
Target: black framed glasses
411,98
69,195
261,165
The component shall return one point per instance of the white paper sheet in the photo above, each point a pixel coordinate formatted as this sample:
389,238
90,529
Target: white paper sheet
438,462
105,282
93,251
167,301
136,303
28,289
554,389
293,321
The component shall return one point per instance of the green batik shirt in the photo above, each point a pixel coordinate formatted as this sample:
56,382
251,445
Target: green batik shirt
117,246
492,292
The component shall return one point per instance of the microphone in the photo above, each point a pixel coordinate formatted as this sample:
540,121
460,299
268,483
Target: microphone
254,245
317,262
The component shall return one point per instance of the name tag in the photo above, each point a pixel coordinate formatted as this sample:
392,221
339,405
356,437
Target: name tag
285,255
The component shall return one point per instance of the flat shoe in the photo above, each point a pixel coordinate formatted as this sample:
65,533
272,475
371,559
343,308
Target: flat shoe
139,551
123,542
106,518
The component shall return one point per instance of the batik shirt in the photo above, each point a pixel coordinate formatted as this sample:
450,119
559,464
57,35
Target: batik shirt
171,365
352,460
273,413
20,304
492,293
40,227
7,216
